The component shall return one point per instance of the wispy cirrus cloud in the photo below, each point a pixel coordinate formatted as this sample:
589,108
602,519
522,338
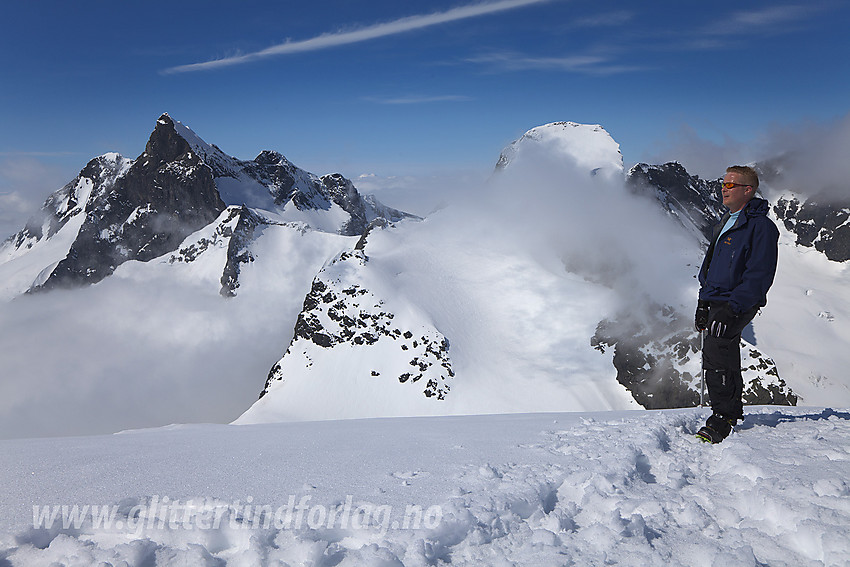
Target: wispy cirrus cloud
587,64
730,30
741,26
330,40
767,20
607,19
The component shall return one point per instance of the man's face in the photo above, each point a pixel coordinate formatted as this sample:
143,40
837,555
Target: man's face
737,196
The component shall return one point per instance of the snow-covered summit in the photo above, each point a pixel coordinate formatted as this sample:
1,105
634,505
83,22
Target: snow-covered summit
590,146
144,208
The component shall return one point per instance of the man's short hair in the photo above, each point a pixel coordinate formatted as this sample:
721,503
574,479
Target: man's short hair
748,173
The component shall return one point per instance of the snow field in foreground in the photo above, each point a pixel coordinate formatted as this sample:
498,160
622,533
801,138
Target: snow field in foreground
624,488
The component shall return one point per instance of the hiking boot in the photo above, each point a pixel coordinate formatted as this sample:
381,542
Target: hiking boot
717,428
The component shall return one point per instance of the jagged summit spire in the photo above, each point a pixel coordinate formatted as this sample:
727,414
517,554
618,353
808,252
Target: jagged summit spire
270,157
165,144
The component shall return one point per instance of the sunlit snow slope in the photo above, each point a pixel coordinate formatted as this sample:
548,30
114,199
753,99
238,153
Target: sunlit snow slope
631,488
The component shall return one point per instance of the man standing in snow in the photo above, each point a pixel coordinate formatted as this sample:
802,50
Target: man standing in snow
738,270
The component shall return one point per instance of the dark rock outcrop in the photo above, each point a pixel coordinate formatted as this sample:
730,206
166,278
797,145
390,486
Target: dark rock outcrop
344,315
693,201
167,194
238,249
659,362
96,178
824,225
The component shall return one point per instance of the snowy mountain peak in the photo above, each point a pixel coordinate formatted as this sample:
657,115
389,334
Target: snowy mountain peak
165,143
590,146
146,211
118,210
270,157
221,164
201,147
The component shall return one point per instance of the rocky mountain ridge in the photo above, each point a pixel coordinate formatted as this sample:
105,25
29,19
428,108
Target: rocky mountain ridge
144,208
694,202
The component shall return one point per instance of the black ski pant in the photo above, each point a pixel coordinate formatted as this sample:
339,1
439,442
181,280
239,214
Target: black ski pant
721,363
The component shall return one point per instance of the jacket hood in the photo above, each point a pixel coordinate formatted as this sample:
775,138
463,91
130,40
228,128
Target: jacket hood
757,207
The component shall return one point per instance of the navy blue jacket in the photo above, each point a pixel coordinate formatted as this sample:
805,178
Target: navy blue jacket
740,267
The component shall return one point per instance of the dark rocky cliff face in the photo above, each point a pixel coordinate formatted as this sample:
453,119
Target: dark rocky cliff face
820,224
278,174
166,195
693,201
239,249
659,362
98,175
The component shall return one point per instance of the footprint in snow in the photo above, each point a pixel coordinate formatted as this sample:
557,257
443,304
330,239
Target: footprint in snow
408,475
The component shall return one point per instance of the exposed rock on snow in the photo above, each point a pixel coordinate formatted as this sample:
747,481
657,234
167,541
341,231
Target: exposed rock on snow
341,318
98,176
239,249
822,225
660,363
30,256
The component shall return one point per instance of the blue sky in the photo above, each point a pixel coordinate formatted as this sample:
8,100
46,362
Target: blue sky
397,88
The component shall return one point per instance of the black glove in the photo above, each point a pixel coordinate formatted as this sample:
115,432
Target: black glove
721,319
701,316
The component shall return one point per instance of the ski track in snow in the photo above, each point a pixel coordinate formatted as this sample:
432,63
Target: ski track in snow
625,488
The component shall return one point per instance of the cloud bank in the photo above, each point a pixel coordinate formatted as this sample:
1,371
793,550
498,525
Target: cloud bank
810,157
130,353
25,181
